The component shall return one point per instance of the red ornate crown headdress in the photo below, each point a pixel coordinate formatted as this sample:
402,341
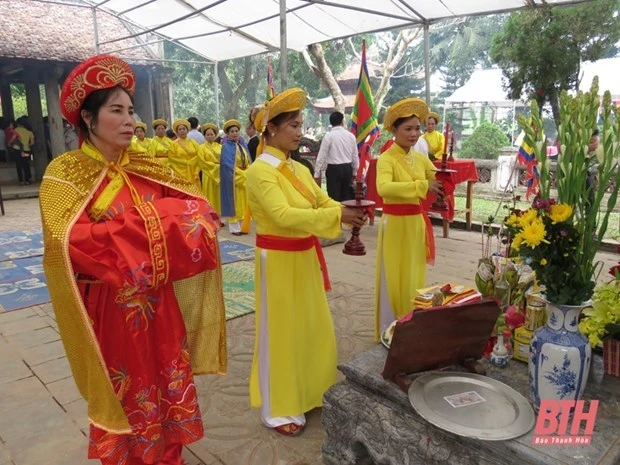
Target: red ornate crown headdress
96,73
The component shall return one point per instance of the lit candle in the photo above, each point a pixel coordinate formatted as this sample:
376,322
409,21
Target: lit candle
445,141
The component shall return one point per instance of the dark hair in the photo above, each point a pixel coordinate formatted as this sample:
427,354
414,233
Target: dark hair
204,133
193,122
595,133
23,121
170,133
336,118
400,121
431,117
93,104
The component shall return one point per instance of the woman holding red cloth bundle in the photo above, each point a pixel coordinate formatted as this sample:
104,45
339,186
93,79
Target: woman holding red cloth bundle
133,269
295,347
405,243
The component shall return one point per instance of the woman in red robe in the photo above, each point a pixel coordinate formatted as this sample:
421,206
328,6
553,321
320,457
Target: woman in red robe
136,324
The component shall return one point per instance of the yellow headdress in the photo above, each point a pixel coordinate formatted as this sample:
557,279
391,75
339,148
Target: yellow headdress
206,126
289,100
140,124
180,122
159,122
230,123
405,109
432,114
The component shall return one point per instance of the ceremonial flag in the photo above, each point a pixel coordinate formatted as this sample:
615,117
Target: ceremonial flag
527,157
364,118
271,90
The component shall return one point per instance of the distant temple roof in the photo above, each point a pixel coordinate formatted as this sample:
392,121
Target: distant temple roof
40,31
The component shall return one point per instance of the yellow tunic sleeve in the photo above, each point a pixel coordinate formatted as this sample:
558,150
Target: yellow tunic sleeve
392,181
265,186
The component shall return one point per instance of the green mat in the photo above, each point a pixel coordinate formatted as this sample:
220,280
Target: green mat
238,278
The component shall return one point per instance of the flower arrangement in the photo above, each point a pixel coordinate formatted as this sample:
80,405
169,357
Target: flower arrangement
559,237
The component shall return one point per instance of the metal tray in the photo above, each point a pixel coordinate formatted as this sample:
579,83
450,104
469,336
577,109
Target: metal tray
471,405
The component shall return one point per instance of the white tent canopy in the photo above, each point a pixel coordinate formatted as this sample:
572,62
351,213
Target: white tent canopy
225,29
485,85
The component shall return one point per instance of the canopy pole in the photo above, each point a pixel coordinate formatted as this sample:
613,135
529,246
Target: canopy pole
283,48
96,27
216,84
427,65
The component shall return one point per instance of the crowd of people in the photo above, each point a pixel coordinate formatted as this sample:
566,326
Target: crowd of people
133,266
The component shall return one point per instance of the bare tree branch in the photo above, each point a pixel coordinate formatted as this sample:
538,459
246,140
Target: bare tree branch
310,63
395,55
327,77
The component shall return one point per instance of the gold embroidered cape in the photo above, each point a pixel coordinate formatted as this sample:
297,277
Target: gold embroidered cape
69,184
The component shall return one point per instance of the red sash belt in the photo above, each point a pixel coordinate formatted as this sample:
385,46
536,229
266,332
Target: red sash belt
407,209
296,244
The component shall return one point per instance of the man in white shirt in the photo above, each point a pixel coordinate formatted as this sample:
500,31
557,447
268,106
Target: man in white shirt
338,159
194,133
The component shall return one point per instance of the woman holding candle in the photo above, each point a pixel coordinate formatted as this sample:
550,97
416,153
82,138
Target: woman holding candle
405,243
295,349
436,141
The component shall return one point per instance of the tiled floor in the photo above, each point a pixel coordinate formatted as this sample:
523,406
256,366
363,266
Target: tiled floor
43,418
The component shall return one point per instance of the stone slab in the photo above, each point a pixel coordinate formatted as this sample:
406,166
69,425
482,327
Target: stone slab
34,338
64,391
17,394
53,370
39,354
13,370
23,325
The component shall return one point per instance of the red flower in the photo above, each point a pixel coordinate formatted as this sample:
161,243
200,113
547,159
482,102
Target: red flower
514,318
615,271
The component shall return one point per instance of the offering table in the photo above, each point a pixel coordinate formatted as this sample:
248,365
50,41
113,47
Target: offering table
370,421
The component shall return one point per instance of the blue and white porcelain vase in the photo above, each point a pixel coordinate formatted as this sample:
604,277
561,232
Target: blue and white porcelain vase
560,356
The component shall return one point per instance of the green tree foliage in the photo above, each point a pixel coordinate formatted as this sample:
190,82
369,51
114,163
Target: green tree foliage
540,50
484,143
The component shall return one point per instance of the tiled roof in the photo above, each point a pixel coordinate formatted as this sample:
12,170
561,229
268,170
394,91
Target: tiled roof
36,30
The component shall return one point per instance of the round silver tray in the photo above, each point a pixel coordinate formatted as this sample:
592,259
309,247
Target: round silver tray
471,405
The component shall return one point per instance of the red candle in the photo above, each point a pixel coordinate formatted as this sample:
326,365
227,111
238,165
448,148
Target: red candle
445,141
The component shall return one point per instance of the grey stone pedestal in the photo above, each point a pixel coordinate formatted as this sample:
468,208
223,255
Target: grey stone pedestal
369,421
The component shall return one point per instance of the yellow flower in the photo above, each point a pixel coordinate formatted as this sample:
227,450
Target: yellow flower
528,217
517,241
534,234
560,213
513,220
543,262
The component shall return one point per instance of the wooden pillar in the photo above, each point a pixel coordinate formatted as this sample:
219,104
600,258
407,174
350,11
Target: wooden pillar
7,101
161,79
52,96
35,115
143,98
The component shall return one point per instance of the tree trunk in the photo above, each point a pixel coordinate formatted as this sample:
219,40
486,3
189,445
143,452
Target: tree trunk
397,50
324,73
555,107
233,96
